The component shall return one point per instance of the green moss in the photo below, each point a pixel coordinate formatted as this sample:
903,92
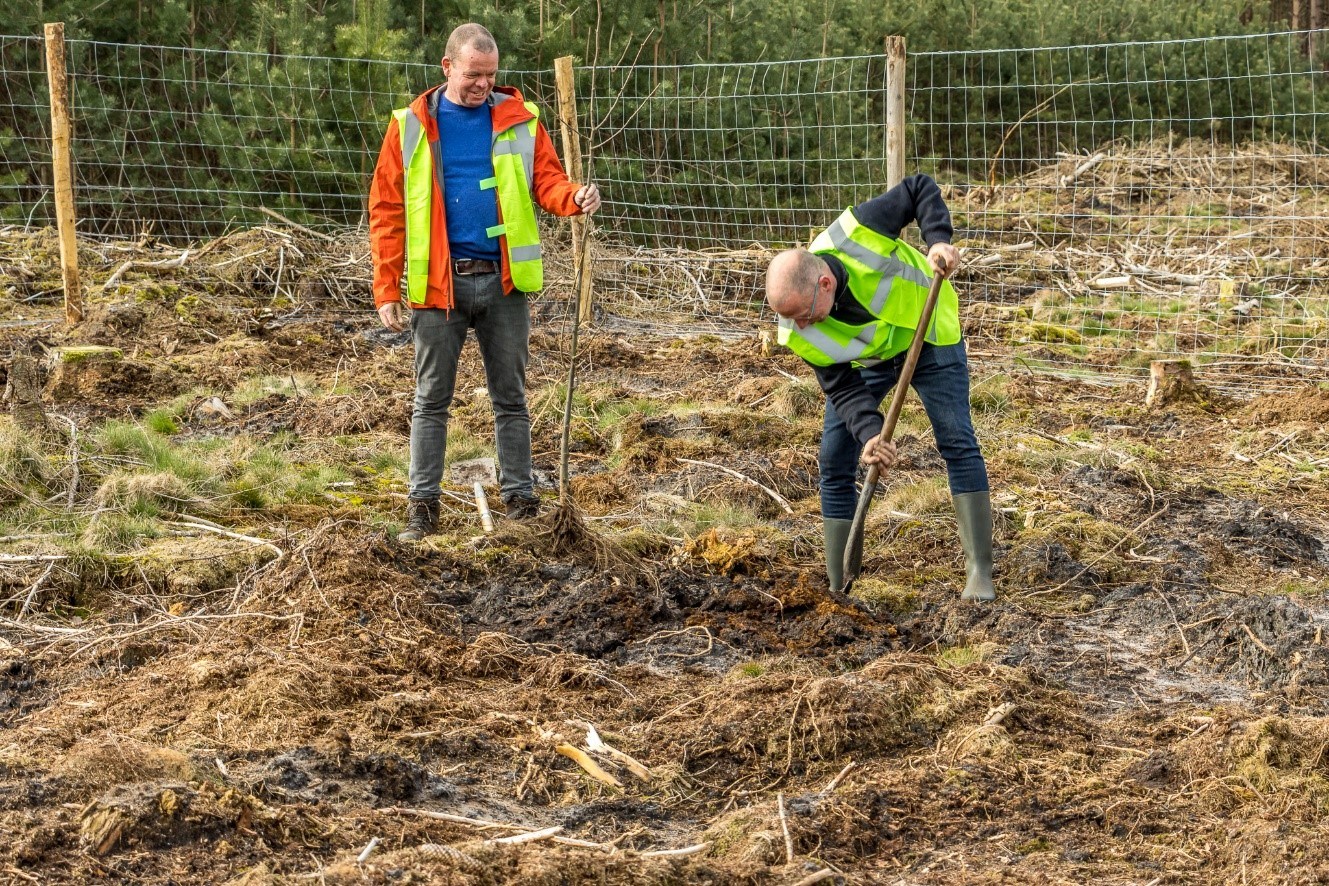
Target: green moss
1051,332
88,353
186,307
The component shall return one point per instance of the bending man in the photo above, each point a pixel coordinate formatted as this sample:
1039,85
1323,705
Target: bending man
849,307
452,206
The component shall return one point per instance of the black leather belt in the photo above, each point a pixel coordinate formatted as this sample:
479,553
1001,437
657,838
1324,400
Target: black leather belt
469,266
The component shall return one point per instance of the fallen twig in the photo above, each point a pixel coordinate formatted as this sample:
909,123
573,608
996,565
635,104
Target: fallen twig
367,851
676,853
817,877
1134,532
209,526
597,744
592,768
164,264
784,828
299,227
1257,641
1084,167
835,782
455,819
32,591
777,497
528,837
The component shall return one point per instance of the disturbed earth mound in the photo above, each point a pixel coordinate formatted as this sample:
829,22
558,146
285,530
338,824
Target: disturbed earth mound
218,665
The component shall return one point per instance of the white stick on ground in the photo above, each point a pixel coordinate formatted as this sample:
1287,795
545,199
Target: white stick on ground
528,837
367,851
835,782
784,827
676,853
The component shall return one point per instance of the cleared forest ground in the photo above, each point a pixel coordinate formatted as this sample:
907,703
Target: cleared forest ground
216,664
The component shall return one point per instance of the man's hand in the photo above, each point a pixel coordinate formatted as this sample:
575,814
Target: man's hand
588,198
393,316
880,452
943,259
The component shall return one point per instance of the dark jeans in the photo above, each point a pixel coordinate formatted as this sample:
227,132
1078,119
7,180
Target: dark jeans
941,379
502,325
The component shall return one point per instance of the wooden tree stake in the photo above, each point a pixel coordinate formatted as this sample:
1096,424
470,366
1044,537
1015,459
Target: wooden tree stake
62,168
565,83
894,111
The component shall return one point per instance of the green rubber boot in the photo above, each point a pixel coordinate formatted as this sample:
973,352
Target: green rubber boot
973,513
837,538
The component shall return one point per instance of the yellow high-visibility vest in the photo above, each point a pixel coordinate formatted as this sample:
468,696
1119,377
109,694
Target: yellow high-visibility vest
890,279
514,171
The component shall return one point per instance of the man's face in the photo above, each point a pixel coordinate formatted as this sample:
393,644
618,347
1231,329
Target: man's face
470,76
818,306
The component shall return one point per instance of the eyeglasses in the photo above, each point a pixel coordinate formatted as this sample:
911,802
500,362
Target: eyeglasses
811,316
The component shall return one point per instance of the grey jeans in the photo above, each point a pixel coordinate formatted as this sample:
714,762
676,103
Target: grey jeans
502,326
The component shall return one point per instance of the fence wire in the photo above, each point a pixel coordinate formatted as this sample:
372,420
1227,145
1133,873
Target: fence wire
25,133
1130,202
1116,203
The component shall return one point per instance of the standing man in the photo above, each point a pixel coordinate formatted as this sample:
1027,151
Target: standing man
453,203
849,307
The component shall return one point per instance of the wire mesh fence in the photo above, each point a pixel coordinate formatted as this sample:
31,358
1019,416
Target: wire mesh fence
1132,202
1117,203
25,134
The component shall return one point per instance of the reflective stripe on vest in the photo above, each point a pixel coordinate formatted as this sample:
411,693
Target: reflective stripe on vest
514,173
417,195
514,169
830,341
890,279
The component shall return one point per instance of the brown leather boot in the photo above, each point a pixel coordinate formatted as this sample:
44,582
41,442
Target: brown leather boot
421,519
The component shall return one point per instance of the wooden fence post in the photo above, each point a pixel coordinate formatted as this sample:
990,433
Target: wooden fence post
567,119
1313,37
894,111
62,168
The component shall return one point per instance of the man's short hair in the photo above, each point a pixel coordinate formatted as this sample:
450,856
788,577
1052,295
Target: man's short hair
475,36
796,274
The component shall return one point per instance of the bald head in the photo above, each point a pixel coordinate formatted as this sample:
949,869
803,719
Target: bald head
794,281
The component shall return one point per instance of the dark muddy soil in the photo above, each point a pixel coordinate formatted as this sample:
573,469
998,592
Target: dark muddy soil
672,687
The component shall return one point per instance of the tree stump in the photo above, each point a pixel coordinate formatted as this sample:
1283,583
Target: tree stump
24,393
1169,381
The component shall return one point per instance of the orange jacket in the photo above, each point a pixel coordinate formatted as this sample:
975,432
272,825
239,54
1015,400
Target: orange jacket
387,217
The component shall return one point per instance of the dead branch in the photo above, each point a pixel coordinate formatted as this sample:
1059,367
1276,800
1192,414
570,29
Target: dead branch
367,851
134,263
592,768
677,853
209,526
784,828
817,877
1067,180
775,496
835,782
1257,641
528,837
299,227
1134,532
